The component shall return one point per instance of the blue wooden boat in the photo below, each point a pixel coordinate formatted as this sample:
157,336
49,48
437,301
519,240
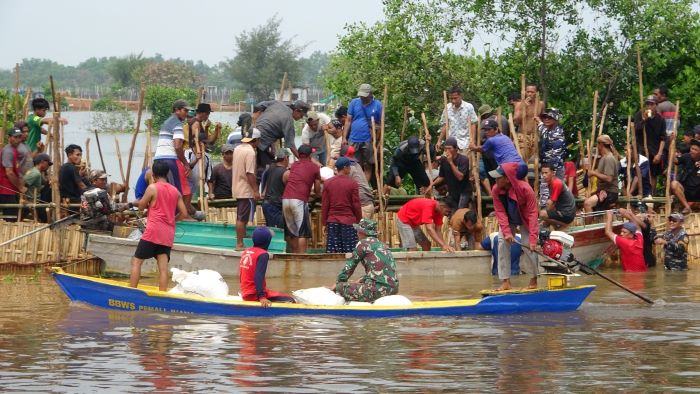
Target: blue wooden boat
111,294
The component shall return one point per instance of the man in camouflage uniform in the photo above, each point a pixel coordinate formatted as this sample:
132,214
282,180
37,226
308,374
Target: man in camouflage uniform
675,241
380,269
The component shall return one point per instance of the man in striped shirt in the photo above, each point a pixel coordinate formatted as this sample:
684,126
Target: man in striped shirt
170,149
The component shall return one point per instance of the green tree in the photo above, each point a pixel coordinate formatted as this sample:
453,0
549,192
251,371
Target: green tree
171,73
262,58
312,68
124,70
159,100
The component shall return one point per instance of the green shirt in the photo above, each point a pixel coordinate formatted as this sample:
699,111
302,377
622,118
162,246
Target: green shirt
34,181
34,123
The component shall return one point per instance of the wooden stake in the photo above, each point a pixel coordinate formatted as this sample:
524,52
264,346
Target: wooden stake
628,155
55,194
447,118
600,132
147,154
515,137
640,187
282,86
537,152
87,153
376,167
199,150
427,147
99,150
405,122
25,106
475,172
142,93
119,157
16,98
671,156
380,149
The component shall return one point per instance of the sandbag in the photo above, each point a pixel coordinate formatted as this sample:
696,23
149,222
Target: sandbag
317,296
393,300
358,303
206,283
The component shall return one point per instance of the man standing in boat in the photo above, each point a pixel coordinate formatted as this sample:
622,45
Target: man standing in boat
380,277
303,175
515,205
161,199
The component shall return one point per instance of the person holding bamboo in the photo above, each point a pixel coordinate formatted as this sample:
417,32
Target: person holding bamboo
607,173
630,242
524,112
460,122
650,131
200,123
361,111
36,122
37,182
454,173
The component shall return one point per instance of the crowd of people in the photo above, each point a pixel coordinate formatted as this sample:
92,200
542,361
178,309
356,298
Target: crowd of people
335,162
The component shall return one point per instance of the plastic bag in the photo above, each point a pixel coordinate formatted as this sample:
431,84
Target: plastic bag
318,296
206,283
393,300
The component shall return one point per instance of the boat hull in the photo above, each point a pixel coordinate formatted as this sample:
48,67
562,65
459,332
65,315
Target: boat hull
105,293
117,253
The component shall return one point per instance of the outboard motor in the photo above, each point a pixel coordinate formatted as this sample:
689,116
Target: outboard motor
557,245
95,203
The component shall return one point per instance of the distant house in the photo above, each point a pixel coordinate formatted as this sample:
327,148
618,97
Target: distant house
295,94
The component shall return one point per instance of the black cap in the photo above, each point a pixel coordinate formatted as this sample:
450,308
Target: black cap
305,150
489,124
41,157
203,107
300,106
413,145
695,142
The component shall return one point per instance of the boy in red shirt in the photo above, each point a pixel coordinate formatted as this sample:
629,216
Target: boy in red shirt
423,211
630,242
161,199
253,267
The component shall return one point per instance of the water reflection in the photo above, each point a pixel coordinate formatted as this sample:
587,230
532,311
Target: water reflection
613,343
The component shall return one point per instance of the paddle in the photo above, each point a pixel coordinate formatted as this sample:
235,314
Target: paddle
588,270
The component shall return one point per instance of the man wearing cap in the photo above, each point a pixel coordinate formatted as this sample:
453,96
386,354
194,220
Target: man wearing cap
687,187
461,119
222,175
37,181
277,122
552,147
515,205
200,123
303,175
357,174
273,182
607,172
524,113
245,184
358,124
650,131
171,150
675,242
380,277
630,243
501,148
407,160
454,172
340,209
486,112
245,123
423,211
11,181
314,134
95,217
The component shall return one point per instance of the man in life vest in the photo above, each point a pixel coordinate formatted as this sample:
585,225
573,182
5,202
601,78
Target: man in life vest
253,267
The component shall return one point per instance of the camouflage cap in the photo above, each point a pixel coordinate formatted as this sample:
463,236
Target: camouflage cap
366,226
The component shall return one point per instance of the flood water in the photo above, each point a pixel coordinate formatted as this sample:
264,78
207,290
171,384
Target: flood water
614,342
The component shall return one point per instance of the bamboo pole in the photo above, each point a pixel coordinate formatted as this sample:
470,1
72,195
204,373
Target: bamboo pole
380,180
377,174
4,122
62,134
641,108
640,186
99,150
600,132
142,93
671,155
147,154
200,151
87,152
282,86
16,98
580,149
405,122
537,152
475,172
515,137
427,147
447,117
628,157
55,194
119,157
25,106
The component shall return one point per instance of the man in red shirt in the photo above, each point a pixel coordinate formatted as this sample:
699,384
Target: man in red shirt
252,270
11,181
302,175
423,211
630,242
340,209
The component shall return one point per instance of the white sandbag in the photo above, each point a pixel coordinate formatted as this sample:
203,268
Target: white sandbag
233,298
206,283
359,303
177,290
393,300
326,173
317,296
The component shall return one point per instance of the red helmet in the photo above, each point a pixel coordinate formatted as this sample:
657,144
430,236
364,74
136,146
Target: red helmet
553,249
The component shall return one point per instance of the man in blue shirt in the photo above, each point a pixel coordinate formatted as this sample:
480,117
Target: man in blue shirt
358,125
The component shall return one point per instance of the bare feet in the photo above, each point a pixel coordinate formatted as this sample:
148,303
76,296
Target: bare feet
505,285
533,283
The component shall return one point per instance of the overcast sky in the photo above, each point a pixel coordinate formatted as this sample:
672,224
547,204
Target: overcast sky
196,30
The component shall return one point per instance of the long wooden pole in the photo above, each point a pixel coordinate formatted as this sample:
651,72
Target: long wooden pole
119,157
200,163
282,86
447,117
671,156
640,186
475,171
55,194
427,148
87,153
515,137
376,167
148,153
600,132
99,150
405,122
641,108
380,180
4,122
25,106
142,93
537,152
628,156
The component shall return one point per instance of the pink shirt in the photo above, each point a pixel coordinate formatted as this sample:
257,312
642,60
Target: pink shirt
160,227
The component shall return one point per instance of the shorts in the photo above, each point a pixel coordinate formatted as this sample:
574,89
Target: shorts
656,169
691,194
273,215
605,204
368,211
147,250
183,179
364,153
410,237
564,217
297,222
245,209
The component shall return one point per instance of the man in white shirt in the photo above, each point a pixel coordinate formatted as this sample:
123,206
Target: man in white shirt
461,120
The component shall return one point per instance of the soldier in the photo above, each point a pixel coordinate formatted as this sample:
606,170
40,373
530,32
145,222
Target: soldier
380,269
675,241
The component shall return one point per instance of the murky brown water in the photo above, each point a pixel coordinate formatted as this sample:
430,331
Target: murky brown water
613,343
